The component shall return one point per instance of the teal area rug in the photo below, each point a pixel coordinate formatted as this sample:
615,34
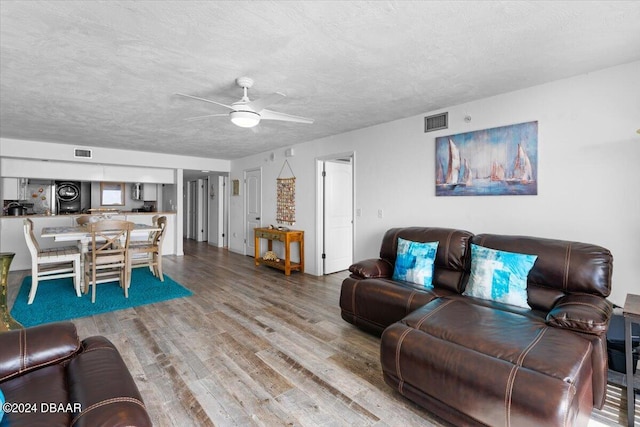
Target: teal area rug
56,299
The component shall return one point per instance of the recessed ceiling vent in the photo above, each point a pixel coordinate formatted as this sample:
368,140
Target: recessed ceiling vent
436,122
82,153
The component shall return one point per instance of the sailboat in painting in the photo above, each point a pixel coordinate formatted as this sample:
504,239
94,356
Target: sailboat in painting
497,172
522,172
453,168
467,177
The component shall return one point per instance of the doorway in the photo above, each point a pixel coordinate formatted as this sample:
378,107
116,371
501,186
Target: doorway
218,215
197,210
191,208
202,230
252,207
335,209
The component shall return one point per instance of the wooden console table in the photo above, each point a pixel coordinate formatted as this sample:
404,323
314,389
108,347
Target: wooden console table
286,237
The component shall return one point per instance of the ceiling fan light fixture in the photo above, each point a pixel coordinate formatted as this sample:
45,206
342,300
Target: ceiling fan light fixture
244,119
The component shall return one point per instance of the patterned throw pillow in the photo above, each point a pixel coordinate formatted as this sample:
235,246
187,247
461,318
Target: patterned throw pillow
414,262
499,276
1,402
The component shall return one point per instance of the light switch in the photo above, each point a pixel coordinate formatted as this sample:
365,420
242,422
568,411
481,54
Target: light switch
359,212
380,213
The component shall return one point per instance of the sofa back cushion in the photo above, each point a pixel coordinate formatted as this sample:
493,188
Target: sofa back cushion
562,267
453,247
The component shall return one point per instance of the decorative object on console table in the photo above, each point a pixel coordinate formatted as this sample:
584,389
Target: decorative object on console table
631,315
286,200
7,323
286,237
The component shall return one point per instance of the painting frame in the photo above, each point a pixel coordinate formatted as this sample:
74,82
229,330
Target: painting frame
500,161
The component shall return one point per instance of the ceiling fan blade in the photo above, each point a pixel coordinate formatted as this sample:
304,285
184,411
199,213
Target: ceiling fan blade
206,100
207,116
259,104
274,115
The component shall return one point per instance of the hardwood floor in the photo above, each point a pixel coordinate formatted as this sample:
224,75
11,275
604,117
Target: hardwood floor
254,347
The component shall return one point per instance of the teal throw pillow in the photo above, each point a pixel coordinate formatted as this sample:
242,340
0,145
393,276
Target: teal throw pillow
499,276
1,404
414,262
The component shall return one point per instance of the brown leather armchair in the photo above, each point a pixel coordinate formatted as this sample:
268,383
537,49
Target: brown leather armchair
53,378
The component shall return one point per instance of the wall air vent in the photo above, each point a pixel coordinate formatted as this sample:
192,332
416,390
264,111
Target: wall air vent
436,122
82,153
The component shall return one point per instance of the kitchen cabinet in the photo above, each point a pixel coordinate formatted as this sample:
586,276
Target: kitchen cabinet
14,188
149,192
62,171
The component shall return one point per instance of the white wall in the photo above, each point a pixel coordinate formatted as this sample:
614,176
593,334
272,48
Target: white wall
588,180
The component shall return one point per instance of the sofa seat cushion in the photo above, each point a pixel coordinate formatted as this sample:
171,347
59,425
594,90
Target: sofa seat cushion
374,304
37,389
497,367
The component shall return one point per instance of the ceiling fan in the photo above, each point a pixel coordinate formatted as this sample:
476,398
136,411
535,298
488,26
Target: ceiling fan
246,113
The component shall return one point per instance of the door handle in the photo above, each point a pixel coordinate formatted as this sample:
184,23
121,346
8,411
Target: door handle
258,218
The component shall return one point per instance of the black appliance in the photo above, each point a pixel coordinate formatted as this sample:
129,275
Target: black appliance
144,208
16,209
68,197
616,344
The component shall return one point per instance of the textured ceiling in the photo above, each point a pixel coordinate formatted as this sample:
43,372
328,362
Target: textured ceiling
105,73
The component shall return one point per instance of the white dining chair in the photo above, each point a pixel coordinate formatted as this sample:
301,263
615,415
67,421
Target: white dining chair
48,264
107,259
149,252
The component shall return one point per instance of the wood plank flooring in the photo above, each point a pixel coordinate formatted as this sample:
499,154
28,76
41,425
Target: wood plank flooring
253,347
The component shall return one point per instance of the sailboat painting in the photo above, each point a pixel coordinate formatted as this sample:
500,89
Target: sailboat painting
490,162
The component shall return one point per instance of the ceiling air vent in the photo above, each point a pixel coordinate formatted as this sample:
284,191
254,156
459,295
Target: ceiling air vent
436,122
82,153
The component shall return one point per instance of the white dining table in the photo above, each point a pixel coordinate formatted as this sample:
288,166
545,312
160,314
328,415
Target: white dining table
82,235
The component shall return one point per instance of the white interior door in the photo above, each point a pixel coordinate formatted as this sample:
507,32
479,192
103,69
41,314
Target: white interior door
225,211
217,202
203,210
214,201
192,218
338,215
253,207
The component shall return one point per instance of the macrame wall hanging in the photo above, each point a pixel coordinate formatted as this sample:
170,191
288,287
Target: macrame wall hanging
286,209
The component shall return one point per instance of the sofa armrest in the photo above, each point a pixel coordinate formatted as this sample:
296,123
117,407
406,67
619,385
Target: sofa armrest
24,350
101,384
584,313
372,268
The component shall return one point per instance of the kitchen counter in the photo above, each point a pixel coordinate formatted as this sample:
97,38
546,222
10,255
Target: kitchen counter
78,214
12,232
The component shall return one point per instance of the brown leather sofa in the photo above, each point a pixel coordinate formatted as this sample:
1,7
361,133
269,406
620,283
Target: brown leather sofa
478,362
51,378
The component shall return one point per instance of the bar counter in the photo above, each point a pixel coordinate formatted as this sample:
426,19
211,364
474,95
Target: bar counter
12,231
